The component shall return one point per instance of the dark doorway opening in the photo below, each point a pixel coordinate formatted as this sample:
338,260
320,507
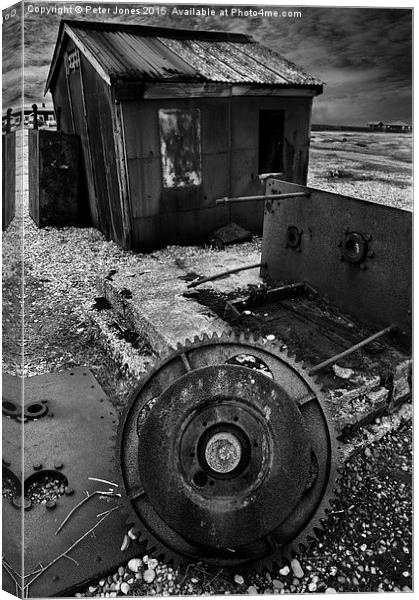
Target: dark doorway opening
271,141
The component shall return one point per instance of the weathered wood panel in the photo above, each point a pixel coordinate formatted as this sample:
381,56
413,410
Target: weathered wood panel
54,165
8,178
74,87
102,150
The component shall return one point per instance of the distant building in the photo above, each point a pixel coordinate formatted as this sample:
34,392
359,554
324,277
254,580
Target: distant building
398,126
395,126
376,125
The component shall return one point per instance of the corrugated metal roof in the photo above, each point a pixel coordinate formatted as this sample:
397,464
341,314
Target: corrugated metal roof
139,53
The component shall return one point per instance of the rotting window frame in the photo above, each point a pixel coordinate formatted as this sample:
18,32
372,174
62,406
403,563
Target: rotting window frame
196,122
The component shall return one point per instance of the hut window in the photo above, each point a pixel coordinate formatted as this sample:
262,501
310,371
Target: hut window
180,144
271,141
73,60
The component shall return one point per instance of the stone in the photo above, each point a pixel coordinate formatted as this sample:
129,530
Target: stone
135,564
238,579
125,588
312,587
330,590
251,590
341,372
284,571
296,568
149,575
277,585
152,563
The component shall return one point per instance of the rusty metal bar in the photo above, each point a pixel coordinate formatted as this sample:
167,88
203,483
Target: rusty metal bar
224,273
261,197
352,349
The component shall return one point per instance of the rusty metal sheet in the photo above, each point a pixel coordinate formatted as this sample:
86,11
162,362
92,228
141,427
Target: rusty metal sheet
74,440
356,253
137,52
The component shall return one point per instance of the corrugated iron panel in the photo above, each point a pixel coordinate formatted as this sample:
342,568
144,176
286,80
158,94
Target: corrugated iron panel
125,54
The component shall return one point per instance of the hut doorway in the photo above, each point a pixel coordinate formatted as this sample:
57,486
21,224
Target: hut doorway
271,141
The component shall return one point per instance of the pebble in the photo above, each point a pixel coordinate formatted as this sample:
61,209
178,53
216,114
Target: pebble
330,590
135,565
238,579
121,572
312,586
149,575
125,588
270,337
285,570
152,563
278,585
296,568
251,590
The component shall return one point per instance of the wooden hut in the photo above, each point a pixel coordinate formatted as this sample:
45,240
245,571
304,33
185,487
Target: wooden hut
171,120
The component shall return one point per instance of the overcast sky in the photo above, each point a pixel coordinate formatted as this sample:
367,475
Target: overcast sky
364,55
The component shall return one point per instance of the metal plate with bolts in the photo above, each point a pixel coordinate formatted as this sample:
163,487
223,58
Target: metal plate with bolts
357,254
74,440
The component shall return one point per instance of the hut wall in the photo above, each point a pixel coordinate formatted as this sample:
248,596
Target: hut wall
86,109
229,132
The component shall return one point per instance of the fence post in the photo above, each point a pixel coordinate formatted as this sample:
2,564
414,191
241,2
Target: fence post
35,116
8,119
58,118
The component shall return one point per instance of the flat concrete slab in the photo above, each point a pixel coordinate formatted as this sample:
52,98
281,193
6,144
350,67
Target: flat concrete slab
152,299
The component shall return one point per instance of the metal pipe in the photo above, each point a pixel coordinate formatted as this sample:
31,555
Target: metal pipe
223,273
262,197
352,349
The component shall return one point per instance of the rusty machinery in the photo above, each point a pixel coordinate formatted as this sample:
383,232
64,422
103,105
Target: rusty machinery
224,463
227,454
225,451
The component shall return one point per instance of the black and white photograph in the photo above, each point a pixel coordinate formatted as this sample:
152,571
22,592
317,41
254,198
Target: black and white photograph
206,299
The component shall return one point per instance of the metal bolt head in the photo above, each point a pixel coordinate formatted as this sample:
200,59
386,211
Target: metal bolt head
37,466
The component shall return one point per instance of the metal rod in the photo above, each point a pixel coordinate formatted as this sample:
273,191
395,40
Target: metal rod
262,197
352,349
223,273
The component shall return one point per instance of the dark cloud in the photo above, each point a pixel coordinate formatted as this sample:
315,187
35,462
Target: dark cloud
364,55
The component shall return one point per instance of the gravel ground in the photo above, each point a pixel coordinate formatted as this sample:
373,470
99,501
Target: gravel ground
371,166
366,545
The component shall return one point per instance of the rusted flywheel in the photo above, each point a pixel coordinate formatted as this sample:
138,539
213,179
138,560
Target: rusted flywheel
226,454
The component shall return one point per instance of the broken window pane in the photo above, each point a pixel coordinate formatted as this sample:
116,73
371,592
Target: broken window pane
180,142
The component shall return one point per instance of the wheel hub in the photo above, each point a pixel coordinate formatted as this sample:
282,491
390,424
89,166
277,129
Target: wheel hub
223,452
221,462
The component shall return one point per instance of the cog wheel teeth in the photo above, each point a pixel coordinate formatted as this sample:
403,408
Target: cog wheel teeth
313,525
